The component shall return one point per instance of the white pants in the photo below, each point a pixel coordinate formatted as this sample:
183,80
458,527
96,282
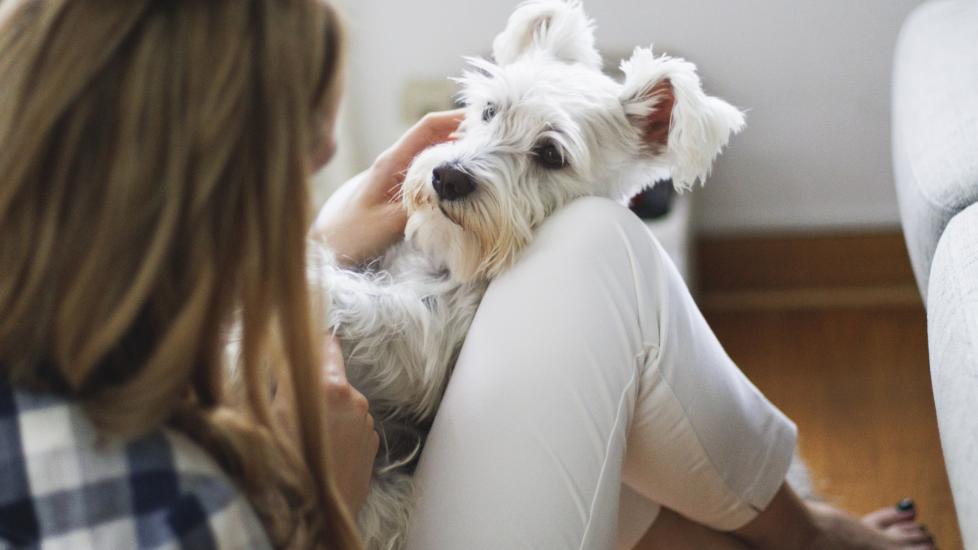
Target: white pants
590,391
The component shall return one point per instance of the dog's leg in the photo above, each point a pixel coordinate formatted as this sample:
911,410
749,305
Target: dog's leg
385,515
400,336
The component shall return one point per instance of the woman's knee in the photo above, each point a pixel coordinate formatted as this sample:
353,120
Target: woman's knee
596,264
578,286
593,220
593,230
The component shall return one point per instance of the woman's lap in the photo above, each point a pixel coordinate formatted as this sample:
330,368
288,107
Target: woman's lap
586,367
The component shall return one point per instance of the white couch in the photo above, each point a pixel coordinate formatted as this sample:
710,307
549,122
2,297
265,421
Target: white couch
935,156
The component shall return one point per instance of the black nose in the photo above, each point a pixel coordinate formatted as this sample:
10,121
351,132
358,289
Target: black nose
450,183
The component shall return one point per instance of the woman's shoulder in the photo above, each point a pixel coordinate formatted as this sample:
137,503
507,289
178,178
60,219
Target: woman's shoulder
63,484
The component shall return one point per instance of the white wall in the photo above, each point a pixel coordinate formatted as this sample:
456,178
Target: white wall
814,76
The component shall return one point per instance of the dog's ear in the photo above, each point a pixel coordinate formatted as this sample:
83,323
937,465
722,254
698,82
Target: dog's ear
556,26
679,124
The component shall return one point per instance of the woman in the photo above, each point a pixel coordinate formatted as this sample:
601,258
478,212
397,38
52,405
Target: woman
154,160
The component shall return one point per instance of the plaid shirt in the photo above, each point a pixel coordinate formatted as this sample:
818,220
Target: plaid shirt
64,485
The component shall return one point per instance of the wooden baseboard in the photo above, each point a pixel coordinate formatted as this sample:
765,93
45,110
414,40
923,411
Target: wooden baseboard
809,271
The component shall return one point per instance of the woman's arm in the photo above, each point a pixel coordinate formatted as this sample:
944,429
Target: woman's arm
365,216
360,221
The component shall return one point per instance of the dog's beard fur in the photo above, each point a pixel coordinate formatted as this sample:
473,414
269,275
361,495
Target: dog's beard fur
475,238
402,322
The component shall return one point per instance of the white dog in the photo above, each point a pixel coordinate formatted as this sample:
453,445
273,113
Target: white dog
543,126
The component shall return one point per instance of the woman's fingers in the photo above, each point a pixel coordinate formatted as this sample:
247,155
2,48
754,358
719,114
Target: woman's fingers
353,442
339,393
432,129
435,128
334,369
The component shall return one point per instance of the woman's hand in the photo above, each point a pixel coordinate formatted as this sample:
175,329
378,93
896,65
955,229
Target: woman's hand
365,216
352,441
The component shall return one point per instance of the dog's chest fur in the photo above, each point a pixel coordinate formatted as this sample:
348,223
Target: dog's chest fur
401,323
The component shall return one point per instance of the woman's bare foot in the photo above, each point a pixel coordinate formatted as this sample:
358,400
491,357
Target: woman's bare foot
790,522
890,528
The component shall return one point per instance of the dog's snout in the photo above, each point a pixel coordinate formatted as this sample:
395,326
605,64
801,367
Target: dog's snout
451,183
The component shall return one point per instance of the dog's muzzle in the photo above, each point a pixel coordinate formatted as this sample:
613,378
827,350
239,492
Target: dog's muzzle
450,183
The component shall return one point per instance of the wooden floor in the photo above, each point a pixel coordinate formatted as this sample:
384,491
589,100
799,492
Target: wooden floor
856,382
830,328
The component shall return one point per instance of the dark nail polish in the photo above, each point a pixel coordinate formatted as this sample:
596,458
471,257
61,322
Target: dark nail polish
905,505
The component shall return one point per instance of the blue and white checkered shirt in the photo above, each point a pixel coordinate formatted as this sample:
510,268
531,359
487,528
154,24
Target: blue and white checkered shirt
63,485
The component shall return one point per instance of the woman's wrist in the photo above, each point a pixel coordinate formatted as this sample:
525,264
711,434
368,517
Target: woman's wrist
359,223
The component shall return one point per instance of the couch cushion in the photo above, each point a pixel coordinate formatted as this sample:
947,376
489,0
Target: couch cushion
952,326
935,122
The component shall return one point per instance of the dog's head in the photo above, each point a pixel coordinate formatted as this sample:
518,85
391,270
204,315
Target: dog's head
543,126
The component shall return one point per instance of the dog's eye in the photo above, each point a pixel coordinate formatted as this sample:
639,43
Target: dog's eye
489,112
549,156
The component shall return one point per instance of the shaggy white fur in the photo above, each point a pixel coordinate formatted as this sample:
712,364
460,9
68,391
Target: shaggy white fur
544,126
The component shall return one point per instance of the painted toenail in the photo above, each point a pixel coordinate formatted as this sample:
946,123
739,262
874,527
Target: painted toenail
905,505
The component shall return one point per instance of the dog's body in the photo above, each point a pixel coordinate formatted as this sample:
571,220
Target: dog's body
544,126
400,325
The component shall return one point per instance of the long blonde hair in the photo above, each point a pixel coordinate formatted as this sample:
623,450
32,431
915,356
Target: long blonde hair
154,162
